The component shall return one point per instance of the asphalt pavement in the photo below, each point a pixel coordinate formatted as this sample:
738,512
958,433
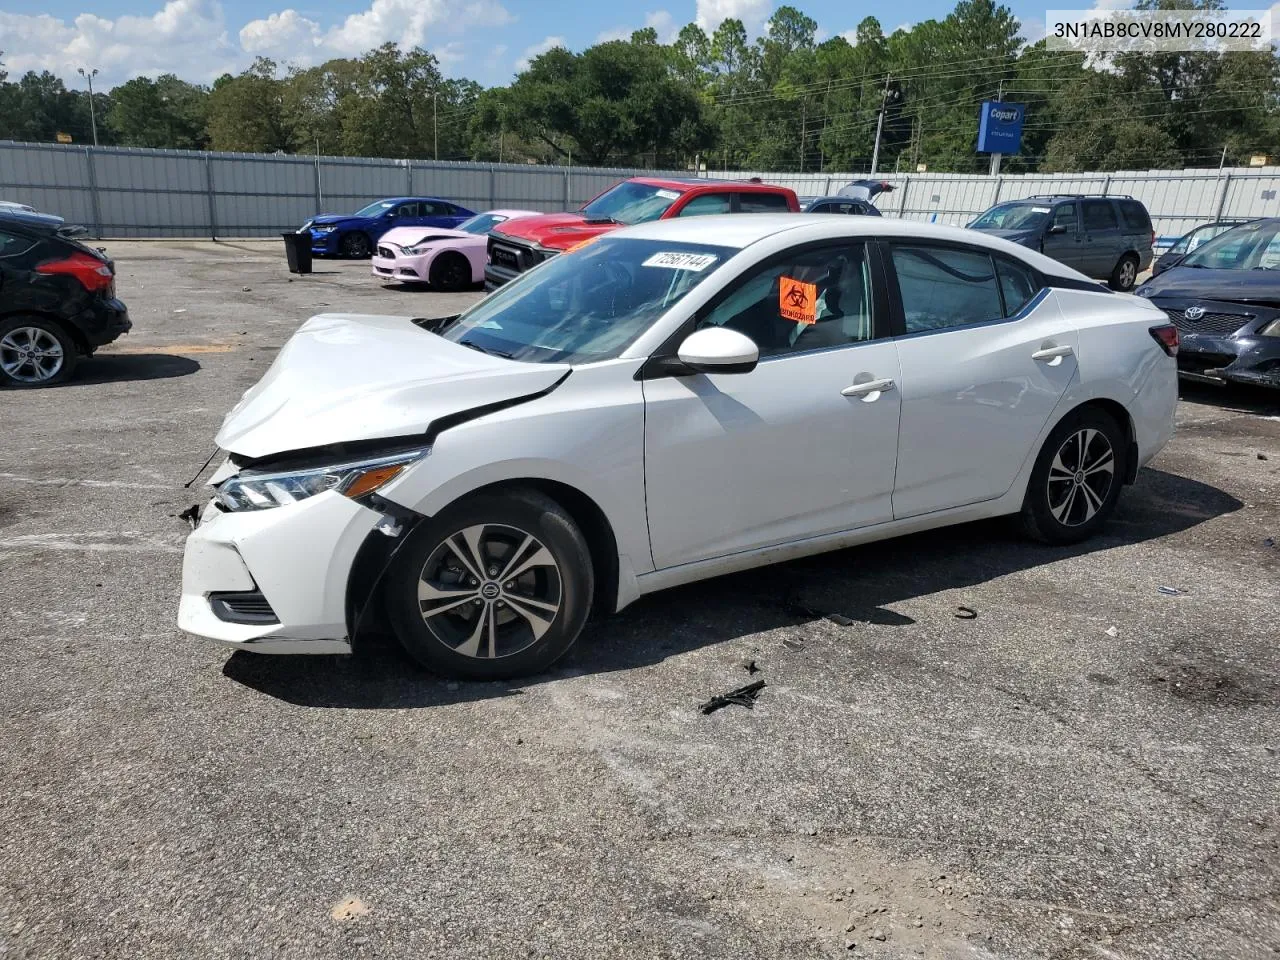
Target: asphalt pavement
1085,769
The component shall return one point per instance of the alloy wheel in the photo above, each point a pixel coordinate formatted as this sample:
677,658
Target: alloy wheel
489,591
1080,477
1128,274
31,355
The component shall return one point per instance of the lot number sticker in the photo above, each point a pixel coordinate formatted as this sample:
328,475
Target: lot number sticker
798,300
697,262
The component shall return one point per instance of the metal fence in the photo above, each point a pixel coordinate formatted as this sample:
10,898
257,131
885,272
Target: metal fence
119,192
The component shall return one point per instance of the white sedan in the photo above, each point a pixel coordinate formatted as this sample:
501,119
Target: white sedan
669,402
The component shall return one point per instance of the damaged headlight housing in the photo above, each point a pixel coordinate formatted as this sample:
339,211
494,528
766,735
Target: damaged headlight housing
417,251
262,490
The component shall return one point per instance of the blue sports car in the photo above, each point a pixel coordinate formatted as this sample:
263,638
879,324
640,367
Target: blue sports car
356,234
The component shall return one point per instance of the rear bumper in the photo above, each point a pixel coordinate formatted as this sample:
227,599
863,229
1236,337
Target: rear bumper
298,557
104,322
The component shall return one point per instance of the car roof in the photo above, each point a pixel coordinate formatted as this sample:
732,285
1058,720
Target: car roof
39,222
738,231
685,183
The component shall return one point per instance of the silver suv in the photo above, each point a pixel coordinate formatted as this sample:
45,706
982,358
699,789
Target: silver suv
1109,238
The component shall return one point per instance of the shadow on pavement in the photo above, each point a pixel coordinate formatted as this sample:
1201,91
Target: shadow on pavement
1241,398
121,368
857,583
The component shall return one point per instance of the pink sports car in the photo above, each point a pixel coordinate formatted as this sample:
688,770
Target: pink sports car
446,259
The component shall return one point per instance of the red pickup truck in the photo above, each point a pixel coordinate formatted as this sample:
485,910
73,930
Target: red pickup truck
527,241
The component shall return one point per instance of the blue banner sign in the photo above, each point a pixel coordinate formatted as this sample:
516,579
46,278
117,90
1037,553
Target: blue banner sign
1000,127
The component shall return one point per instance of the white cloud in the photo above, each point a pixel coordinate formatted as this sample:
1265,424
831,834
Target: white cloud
548,43
185,36
191,38
753,13
1031,28
851,36
660,20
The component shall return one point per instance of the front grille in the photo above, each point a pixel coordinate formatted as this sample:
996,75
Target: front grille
1218,324
242,608
502,256
386,253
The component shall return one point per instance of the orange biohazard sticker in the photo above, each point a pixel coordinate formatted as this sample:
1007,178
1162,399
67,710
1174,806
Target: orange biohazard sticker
798,300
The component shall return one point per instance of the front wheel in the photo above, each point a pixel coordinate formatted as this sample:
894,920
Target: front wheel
1125,275
1076,481
356,246
451,271
495,586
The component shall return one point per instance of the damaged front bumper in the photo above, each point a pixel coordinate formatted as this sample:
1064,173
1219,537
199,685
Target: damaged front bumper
406,268
1221,360
274,581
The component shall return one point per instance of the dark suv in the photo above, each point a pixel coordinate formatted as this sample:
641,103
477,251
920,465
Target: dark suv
57,302
1108,238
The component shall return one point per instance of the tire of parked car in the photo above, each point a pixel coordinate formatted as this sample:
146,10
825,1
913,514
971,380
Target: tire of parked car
450,271
1125,275
35,352
492,587
1075,483
356,245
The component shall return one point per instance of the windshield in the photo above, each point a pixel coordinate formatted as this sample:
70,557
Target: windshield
1199,237
1250,246
376,209
586,305
630,202
1012,216
482,222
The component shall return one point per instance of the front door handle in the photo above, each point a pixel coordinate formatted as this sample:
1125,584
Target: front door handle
867,387
1052,353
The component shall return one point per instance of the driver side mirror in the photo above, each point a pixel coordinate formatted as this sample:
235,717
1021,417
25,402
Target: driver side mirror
717,350
1058,228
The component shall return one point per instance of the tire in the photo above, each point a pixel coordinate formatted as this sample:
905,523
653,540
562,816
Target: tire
450,271
356,246
1125,275
35,352
1064,503
442,603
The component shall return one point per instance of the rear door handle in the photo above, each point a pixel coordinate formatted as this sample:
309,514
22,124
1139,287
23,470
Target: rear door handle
867,387
1052,353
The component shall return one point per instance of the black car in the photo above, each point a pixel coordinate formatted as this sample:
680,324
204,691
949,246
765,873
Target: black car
1224,298
57,302
853,199
1189,242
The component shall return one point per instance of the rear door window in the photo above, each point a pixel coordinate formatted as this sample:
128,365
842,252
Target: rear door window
764,203
943,287
1018,284
14,244
1099,215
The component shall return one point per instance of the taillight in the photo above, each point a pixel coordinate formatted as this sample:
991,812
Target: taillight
93,274
1167,336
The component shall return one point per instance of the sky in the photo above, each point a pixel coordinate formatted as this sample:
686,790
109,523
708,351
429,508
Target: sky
485,40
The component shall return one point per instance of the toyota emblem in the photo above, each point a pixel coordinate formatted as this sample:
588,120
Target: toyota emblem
1194,313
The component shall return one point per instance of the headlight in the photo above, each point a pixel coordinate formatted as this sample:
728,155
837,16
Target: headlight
416,251
1272,329
327,228
253,490
1142,291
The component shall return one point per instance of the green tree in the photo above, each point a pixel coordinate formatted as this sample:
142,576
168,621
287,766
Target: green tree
246,112
166,112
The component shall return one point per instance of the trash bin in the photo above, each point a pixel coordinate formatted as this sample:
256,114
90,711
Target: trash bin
297,249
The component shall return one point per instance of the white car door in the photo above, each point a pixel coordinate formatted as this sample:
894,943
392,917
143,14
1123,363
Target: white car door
802,445
986,355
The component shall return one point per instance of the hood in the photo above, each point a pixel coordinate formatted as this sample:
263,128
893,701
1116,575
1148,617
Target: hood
556,231
1242,286
330,218
346,377
409,236
1015,236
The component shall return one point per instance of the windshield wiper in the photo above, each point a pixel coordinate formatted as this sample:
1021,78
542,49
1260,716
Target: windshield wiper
602,220
435,324
489,350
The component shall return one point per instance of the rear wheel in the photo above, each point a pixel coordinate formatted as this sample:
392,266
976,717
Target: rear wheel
1125,275
356,246
495,586
1076,481
451,271
35,352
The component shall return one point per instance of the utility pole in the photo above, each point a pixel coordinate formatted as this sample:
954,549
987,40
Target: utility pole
93,113
435,124
804,120
884,100
995,157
